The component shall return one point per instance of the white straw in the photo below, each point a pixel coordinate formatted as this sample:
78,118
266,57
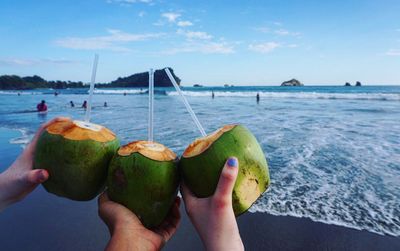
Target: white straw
89,103
188,108
151,102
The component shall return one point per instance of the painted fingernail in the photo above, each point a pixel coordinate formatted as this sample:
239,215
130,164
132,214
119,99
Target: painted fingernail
232,162
43,176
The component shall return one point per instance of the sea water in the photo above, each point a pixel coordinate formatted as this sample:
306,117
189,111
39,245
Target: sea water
333,152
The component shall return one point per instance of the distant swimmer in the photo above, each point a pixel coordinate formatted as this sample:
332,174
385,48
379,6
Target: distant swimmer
105,104
124,93
41,107
19,94
212,94
56,94
84,105
258,97
72,103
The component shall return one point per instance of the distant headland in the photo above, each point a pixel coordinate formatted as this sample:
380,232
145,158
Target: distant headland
292,82
13,82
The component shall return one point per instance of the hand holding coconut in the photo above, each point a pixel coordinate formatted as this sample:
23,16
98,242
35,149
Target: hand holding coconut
19,179
213,217
127,231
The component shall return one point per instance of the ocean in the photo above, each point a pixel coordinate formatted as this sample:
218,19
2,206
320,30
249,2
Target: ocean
333,152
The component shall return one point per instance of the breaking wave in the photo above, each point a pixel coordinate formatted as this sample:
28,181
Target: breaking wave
295,95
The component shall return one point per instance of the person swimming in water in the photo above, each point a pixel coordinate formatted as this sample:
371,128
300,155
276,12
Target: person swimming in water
41,107
258,97
84,105
72,103
105,104
212,94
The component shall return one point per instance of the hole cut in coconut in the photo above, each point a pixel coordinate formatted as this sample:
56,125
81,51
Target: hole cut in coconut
80,130
201,144
149,149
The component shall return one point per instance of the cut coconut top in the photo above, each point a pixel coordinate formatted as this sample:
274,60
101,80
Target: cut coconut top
201,144
149,149
80,130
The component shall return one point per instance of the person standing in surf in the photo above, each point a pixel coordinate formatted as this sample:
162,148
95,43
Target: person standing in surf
84,105
41,107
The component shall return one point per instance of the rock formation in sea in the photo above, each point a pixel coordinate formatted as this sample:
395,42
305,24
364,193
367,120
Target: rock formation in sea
358,83
292,82
347,84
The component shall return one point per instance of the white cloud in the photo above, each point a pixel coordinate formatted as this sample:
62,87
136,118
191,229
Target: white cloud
112,41
142,13
293,45
184,23
194,34
171,16
204,47
32,62
283,32
393,52
264,47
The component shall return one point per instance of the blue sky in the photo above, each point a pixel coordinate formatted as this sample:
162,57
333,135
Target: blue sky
206,42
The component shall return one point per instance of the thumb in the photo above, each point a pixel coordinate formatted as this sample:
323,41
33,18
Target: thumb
227,180
37,176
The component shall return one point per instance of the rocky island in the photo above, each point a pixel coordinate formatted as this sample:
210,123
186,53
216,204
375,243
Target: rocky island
358,83
347,84
292,82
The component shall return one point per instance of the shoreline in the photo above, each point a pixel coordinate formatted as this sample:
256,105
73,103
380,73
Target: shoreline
262,231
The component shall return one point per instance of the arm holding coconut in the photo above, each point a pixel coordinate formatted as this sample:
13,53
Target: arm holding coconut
19,179
213,217
128,233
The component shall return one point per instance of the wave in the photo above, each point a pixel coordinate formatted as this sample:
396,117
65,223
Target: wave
22,140
20,93
295,95
122,91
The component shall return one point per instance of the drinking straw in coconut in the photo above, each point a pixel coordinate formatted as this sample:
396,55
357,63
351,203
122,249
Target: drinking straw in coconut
151,102
89,104
188,108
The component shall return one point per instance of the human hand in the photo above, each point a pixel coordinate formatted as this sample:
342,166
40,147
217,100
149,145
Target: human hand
19,179
128,233
213,217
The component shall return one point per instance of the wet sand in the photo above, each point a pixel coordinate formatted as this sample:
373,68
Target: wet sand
262,231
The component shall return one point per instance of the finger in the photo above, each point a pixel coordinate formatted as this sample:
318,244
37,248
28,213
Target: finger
102,199
36,177
187,195
33,143
227,180
171,223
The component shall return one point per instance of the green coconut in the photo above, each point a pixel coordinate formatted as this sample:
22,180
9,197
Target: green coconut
76,154
143,177
202,162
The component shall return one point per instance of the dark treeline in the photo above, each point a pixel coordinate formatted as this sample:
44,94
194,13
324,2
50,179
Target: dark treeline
13,82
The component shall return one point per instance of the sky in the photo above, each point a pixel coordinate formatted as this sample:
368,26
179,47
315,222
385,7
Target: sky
216,42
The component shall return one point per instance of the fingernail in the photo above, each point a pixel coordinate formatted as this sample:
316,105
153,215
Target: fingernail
232,162
43,176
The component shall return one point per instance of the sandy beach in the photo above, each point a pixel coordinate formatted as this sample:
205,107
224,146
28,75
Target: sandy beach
261,231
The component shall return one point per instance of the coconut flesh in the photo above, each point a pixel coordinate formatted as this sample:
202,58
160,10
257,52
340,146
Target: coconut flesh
202,162
76,154
143,177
